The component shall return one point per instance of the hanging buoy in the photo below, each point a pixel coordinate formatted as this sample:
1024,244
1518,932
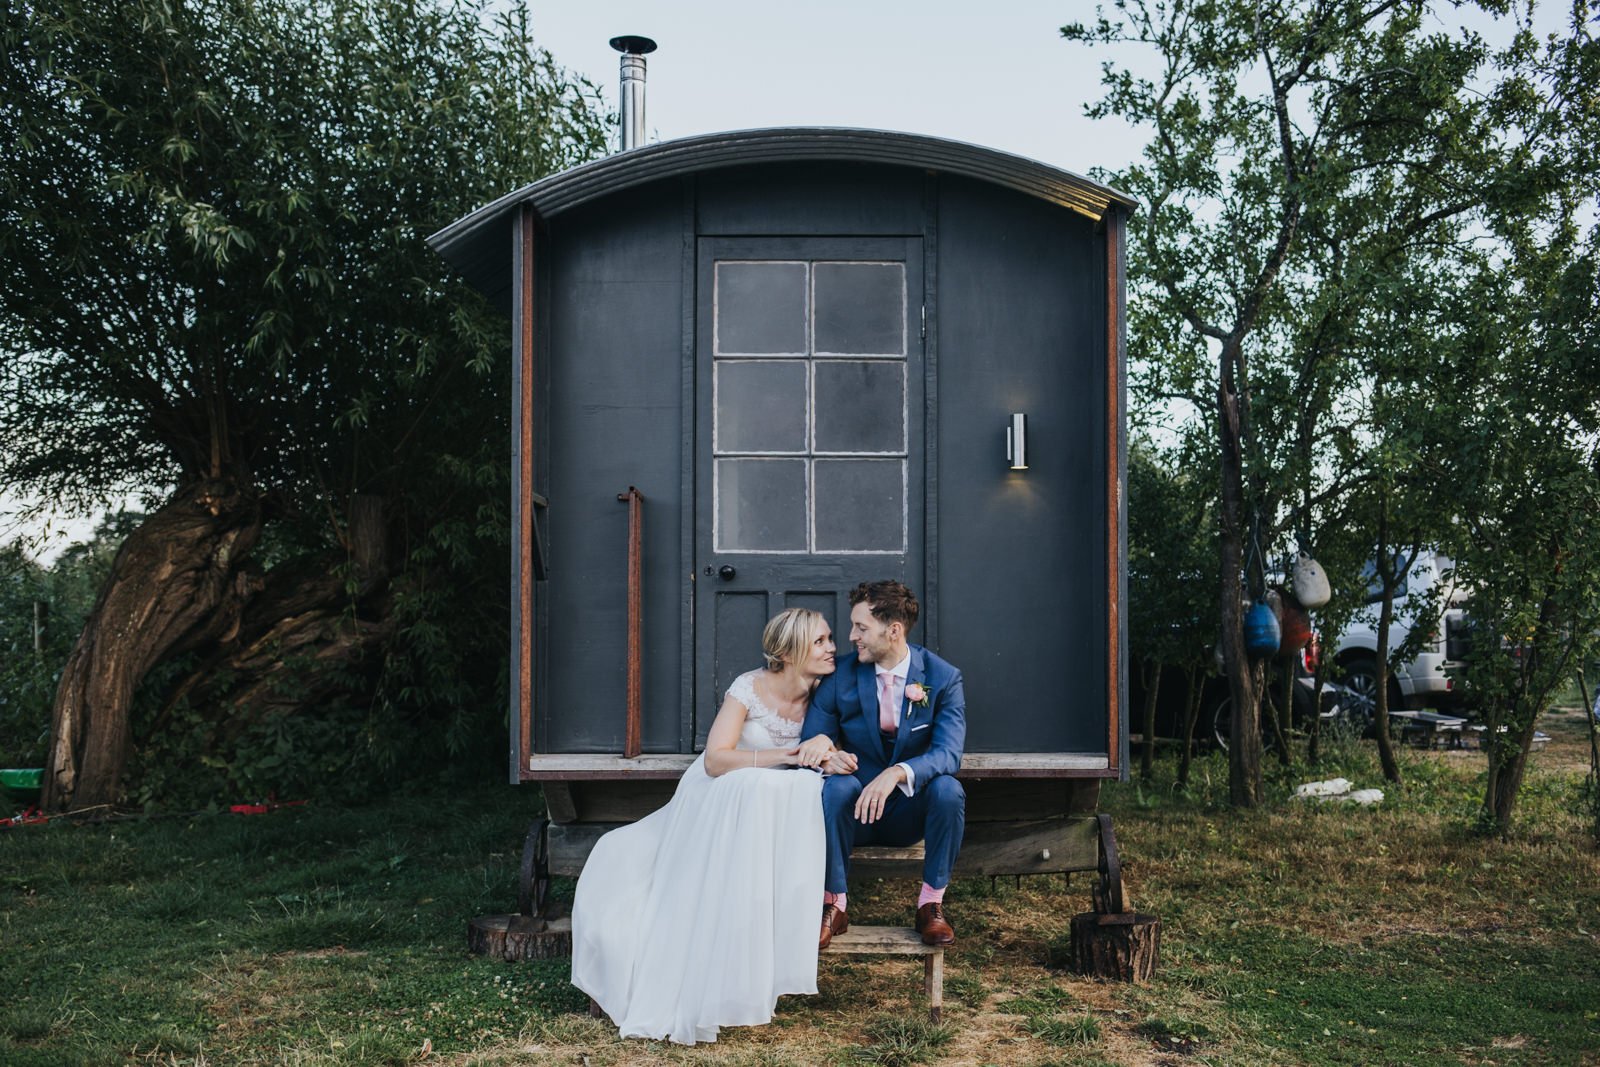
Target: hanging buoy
1260,630
1310,583
1295,627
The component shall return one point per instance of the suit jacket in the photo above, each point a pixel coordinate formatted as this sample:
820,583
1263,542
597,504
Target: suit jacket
930,738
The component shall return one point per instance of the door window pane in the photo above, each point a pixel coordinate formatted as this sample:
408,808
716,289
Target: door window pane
860,406
760,309
761,505
860,505
860,308
760,406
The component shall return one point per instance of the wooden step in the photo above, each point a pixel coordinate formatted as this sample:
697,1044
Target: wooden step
897,941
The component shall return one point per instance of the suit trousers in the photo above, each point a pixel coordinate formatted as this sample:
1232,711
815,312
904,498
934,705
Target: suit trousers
936,814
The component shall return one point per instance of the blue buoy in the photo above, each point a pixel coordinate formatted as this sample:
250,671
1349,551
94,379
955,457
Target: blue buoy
1261,634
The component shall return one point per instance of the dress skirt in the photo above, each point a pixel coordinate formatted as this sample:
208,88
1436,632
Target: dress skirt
704,912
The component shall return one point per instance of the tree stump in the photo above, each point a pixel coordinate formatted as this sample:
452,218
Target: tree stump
1124,947
520,937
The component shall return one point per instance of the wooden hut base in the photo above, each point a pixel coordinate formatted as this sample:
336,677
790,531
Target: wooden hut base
520,937
1125,948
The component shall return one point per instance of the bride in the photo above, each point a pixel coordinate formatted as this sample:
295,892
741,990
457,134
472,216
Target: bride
703,913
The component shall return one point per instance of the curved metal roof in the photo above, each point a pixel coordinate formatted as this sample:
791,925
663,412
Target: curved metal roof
466,242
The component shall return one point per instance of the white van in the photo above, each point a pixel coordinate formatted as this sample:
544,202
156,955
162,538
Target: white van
1421,682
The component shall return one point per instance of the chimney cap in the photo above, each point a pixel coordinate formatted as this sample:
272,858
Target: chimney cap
633,46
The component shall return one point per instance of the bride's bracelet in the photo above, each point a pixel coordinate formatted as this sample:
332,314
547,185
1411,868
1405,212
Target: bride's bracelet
755,757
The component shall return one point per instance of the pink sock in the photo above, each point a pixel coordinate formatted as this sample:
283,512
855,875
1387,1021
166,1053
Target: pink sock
930,895
836,899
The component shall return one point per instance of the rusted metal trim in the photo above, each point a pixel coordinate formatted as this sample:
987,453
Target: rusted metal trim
524,314
632,744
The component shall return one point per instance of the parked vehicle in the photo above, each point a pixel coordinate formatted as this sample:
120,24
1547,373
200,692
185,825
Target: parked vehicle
1340,709
1424,680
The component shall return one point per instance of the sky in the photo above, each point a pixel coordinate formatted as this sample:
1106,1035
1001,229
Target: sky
996,74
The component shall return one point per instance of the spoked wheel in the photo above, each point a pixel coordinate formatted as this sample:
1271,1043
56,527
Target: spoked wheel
1358,702
1360,699
1222,723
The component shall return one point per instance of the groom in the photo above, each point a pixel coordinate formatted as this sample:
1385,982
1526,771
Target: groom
898,716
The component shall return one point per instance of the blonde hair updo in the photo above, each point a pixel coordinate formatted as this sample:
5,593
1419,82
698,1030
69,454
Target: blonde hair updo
788,636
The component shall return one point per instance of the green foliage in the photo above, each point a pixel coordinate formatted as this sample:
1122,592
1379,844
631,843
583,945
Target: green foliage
1172,557
1371,236
66,593
215,217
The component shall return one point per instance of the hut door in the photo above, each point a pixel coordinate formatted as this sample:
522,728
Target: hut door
809,433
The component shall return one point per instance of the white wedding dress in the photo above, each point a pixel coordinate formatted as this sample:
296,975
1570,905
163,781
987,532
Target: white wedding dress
704,912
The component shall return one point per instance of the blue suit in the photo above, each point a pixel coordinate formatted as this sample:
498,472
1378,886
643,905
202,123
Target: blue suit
929,741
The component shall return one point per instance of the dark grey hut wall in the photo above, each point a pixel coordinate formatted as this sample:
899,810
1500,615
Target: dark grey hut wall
614,411
1016,561
1022,555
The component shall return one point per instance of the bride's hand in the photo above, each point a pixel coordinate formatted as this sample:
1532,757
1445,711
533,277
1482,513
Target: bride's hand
815,752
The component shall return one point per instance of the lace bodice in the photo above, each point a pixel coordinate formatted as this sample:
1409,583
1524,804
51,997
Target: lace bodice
763,727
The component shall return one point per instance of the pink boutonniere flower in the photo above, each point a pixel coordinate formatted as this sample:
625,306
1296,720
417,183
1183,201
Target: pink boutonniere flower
917,695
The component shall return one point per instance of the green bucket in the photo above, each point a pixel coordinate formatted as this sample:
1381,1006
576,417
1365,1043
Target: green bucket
21,785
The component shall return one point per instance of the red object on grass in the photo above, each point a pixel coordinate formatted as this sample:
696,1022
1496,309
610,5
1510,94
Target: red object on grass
27,817
269,804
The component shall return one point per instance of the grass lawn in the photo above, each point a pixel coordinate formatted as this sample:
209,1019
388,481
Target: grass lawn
1296,934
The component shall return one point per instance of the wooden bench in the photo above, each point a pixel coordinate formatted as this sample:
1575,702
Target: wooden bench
1027,813
897,941
1429,728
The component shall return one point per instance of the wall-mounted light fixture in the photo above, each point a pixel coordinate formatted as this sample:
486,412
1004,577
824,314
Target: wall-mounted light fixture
1017,442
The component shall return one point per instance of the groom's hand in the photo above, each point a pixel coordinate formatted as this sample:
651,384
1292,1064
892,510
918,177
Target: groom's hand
841,762
869,805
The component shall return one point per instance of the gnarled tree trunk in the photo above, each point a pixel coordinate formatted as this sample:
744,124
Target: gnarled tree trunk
178,580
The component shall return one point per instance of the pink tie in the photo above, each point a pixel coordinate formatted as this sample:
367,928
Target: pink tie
886,721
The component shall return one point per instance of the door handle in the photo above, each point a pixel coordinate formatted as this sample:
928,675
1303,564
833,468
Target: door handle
726,572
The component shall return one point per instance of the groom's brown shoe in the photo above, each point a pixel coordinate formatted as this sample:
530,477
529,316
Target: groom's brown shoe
834,921
933,926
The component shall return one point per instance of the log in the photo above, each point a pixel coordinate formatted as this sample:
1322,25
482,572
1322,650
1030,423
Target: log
520,937
1123,948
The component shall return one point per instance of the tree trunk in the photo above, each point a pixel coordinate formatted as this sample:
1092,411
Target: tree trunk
1191,715
304,636
1244,742
1278,716
1380,699
1385,561
1508,756
1507,763
1590,710
1152,669
1314,745
1286,707
178,580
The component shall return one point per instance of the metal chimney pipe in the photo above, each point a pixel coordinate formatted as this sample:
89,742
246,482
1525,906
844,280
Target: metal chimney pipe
630,97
